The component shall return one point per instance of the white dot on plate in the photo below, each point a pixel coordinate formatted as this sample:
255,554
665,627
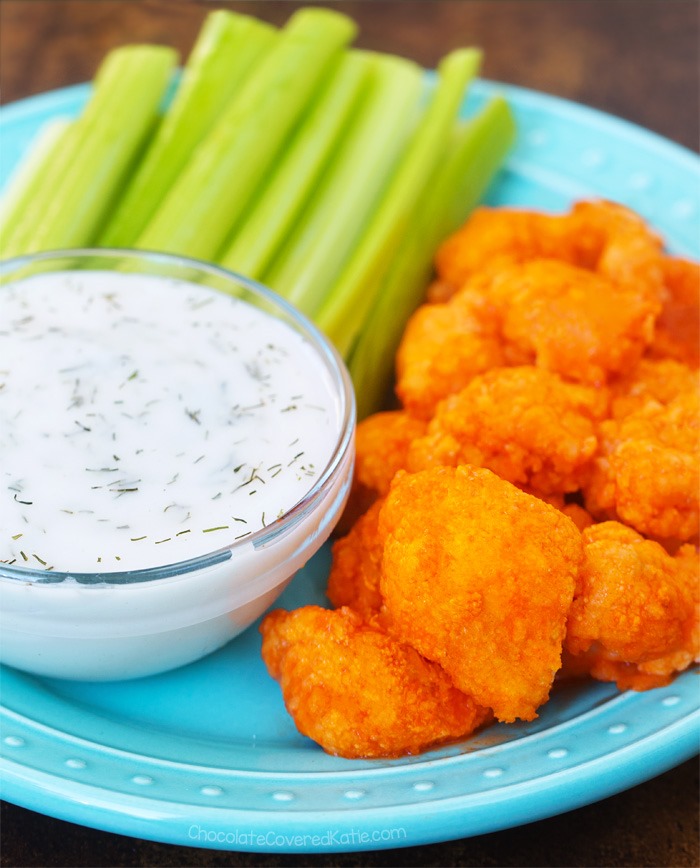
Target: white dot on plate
493,773
211,790
13,741
617,728
424,786
683,208
669,701
142,780
283,796
593,158
557,753
355,794
74,763
640,181
538,137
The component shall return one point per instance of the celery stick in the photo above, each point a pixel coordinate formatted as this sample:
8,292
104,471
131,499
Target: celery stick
100,150
14,241
32,172
211,195
280,203
348,301
482,144
459,183
318,249
227,48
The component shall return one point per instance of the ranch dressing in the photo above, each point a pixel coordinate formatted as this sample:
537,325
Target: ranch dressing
146,420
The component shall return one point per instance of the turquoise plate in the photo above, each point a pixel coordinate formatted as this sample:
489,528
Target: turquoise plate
207,755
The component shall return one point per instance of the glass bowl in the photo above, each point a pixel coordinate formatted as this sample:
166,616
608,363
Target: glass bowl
120,623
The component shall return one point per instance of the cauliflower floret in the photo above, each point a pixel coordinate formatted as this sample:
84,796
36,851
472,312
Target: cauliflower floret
357,691
527,425
634,618
647,474
479,576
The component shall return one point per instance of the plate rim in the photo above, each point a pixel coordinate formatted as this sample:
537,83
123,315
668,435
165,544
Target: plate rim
451,818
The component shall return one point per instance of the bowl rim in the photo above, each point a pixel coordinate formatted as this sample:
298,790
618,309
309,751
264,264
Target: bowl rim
322,347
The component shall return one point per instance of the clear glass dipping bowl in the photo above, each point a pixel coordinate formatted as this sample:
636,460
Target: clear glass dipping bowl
117,625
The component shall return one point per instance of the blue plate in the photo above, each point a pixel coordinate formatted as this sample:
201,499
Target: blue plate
207,755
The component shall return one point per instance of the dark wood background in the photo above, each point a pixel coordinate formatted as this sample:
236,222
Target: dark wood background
637,59
634,58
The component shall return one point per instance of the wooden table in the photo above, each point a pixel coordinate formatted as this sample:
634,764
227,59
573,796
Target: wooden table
637,59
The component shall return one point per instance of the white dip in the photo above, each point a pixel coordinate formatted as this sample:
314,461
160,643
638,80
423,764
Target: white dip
145,420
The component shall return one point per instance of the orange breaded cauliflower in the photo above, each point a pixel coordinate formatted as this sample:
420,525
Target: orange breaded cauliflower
659,380
677,334
526,515
577,294
570,321
494,238
599,236
479,577
381,443
357,691
354,576
525,424
617,243
634,618
647,474
443,347
580,517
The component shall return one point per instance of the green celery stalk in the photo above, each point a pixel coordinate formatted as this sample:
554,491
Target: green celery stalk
227,47
480,147
32,173
322,242
212,194
100,149
59,161
293,182
349,300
